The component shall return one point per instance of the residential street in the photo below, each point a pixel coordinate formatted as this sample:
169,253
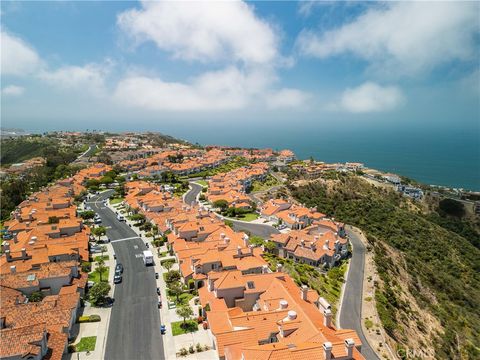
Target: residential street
350,316
191,194
134,329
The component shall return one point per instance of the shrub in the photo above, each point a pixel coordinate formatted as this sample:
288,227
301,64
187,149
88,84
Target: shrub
200,319
199,347
95,318
83,319
183,352
191,350
86,267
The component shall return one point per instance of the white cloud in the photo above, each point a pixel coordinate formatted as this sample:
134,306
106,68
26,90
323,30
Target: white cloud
227,89
403,37
371,97
90,77
13,90
206,32
17,57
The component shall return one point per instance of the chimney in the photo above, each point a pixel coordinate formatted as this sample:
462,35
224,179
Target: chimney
251,249
279,267
245,240
326,244
239,250
6,246
192,263
291,315
349,345
327,317
13,269
226,240
222,236
8,255
283,304
323,304
24,253
302,243
264,269
304,292
327,350
210,284
337,245
313,246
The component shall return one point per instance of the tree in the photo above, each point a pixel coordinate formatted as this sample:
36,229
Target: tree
138,217
99,231
176,289
270,246
256,240
86,215
185,312
172,276
100,267
221,204
99,292
167,264
36,296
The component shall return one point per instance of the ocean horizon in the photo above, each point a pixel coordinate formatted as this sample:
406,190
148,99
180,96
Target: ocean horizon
443,157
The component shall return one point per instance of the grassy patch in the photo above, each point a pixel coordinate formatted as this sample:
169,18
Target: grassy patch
86,344
368,324
116,201
183,299
95,276
249,217
179,327
202,182
269,182
98,258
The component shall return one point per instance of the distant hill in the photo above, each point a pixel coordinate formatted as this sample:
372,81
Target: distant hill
428,262
15,150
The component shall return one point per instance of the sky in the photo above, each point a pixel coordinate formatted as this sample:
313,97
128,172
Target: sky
118,65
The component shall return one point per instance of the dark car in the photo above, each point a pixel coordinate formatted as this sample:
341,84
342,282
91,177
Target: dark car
158,291
159,304
156,275
117,279
163,329
119,268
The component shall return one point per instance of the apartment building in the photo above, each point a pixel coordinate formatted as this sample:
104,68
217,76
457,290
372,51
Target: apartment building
265,316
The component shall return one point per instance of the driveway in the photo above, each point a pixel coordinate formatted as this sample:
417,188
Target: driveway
351,307
133,331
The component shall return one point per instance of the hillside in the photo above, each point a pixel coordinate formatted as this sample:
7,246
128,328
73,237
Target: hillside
15,150
428,268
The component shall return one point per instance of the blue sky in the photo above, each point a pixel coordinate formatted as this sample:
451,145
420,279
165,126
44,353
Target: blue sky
112,65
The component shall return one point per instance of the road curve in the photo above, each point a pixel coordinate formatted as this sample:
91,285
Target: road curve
351,309
134,328
191,195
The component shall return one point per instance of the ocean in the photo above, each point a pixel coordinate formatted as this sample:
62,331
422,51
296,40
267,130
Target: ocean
436,157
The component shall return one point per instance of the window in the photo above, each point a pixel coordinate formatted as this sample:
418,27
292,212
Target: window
251,285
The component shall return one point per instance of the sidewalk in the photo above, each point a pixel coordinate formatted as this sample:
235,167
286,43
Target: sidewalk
98,329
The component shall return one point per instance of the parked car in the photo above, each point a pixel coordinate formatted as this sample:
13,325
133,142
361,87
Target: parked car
159,304
117,279
163,329
121,218
97,221
115,256
156,275
158,291
95,249
119,268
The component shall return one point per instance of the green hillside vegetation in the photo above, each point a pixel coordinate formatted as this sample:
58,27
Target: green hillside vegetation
16,188
438,258
16,150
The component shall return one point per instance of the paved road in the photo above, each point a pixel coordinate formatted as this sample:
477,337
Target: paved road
89,152
350,316
191,195
135,320
261,230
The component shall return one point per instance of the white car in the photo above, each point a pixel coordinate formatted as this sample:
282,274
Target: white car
121,218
